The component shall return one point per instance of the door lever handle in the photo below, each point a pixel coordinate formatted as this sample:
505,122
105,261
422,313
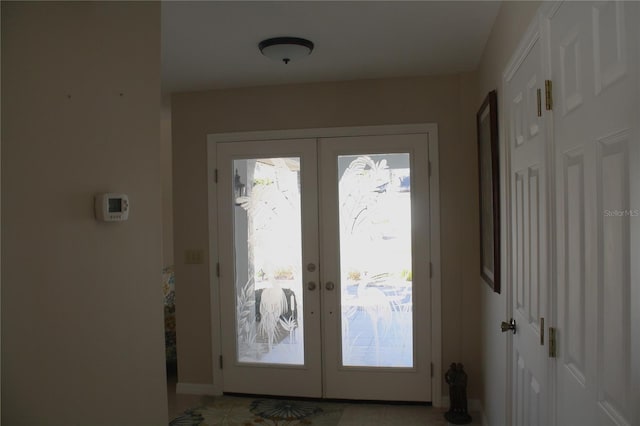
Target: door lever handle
506,326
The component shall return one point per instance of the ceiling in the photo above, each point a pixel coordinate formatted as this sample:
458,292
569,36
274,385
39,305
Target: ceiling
214,44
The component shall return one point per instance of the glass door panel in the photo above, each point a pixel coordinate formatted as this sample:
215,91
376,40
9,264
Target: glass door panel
374,199
268,260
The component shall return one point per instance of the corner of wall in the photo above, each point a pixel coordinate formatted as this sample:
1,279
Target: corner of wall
511,22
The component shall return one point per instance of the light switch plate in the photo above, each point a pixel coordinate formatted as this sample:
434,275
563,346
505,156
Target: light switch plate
194,256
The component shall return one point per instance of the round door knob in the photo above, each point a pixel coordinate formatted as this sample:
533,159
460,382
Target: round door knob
506,326
329,285
311,285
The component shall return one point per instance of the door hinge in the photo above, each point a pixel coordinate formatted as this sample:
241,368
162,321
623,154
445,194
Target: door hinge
431,369
430,270
552,342
220,362
429,167
218,269
215,175
542,331
548,95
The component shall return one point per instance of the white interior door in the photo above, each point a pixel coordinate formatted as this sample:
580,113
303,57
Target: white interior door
353,323
594,67
375,267
526,134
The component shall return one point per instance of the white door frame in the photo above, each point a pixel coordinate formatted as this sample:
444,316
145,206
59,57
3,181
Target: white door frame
434,205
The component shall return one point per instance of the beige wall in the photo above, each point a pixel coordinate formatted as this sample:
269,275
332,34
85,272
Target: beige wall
509,27
448,101
82,326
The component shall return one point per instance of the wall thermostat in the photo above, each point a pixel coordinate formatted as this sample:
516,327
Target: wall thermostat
111,207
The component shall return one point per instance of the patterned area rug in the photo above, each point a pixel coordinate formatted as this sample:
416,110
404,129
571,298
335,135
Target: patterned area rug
229,410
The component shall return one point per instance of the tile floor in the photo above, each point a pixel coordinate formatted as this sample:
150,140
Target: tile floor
354,414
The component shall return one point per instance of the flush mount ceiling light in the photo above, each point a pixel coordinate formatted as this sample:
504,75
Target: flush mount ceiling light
285,49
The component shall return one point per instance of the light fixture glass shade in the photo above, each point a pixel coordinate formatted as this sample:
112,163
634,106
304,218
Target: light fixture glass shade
285,49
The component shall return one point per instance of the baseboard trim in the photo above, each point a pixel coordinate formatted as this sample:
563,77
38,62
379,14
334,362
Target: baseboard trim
208,389
196,389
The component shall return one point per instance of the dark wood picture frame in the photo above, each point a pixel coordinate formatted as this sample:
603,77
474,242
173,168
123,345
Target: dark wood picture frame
489,190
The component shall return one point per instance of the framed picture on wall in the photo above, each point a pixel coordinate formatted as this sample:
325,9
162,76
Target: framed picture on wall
487,126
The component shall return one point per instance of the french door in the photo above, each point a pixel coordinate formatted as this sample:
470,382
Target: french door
323,267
